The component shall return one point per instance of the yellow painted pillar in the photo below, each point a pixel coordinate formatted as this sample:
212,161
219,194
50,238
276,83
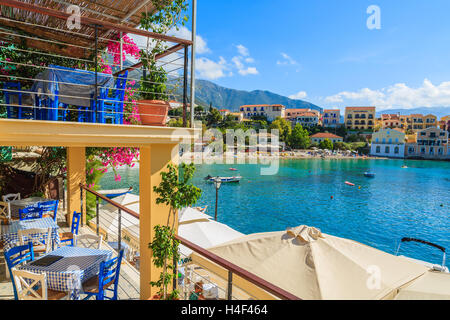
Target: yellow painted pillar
76,174
153,160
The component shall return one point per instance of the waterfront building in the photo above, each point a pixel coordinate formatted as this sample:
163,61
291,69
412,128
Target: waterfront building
307,119
360,118
444,124
432,143
271,112
388,143
291,114
418,122
237,116
331,118
390,121
319,137
224,112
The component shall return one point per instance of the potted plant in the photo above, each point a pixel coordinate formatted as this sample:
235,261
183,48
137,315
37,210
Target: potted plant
175,191
154,107
167,16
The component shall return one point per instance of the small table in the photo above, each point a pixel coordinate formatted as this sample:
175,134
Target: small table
69,86
10,236
68,273
16,205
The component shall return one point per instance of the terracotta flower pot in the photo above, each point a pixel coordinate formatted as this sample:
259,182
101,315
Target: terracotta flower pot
153,112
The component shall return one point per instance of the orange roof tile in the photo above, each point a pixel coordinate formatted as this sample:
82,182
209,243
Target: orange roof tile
325,135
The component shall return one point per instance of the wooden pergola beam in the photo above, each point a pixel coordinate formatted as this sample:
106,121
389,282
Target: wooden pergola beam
91,21
44,33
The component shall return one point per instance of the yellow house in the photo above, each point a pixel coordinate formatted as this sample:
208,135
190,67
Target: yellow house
360,118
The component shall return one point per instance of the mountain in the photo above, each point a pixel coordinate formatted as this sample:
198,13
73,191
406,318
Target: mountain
207,92
437,111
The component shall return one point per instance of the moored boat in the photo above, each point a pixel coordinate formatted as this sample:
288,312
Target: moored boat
115,192
224,179
369,174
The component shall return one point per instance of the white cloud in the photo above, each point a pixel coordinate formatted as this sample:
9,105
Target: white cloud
242,59
209,69
399,96
299,95
287,60
238,62
243,51
249,70
201,46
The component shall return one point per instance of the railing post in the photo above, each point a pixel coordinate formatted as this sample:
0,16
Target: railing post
81,204
119,240
230,286
97,215
185,83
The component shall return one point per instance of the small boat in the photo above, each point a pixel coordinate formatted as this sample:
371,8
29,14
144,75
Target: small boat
233,169
435,267
115,192
349,183
225,179
404,167
369,174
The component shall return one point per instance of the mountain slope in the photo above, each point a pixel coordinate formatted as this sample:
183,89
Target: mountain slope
207,93
437,111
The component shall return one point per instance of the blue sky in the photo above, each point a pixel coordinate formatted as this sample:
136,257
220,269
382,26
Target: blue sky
322,51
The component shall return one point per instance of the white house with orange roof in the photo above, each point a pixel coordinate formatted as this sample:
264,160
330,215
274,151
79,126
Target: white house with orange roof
319,137
271,112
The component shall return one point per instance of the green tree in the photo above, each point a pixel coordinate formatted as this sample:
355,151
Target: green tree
299,138
283,126
176,192
213,118
326,144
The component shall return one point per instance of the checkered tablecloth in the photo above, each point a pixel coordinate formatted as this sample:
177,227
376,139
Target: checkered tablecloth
16,205
9,233
76,266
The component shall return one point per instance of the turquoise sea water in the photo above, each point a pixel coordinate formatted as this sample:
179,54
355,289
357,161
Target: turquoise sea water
412,202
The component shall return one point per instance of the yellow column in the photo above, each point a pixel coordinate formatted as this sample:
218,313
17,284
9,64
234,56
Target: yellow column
76,174
153,160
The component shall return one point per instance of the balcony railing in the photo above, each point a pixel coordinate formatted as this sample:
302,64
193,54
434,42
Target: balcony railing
118,235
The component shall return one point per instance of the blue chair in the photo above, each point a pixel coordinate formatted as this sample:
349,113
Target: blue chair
18,255
21,112
32,212
108,276
50,208
111,107
67,237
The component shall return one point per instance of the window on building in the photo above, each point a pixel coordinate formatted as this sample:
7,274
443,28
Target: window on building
378,149
386,150
396,150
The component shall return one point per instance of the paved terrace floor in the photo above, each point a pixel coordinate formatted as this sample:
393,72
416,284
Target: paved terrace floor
129,276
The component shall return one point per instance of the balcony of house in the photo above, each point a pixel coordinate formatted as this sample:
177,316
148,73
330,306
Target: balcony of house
95,73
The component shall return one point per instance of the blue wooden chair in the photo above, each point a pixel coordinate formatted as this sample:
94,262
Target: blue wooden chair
17,111
32,212
50,208
108,277
67,237
111,106
18,255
